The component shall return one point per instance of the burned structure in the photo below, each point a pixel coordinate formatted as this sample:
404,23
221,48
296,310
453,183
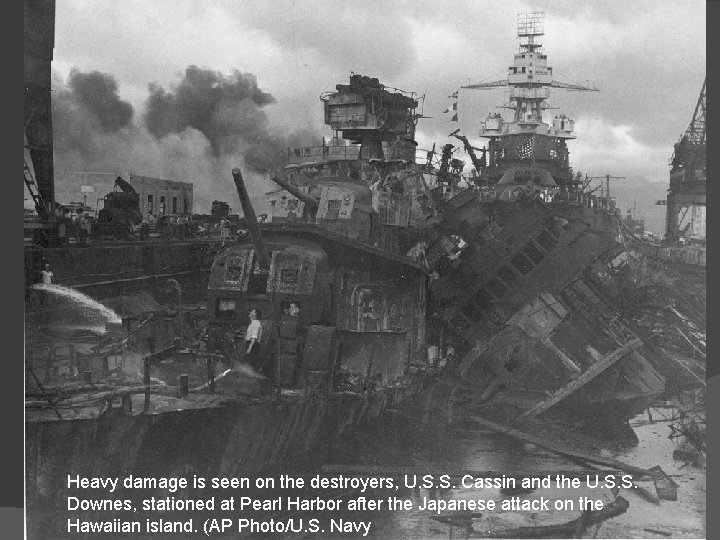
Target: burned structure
530,296
333,249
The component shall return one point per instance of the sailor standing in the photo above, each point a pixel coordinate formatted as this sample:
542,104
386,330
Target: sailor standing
46,275
253,335
224,230
46,278
145,228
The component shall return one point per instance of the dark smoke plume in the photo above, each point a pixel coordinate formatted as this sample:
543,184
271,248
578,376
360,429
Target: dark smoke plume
97,92
86,112
226,109
196,131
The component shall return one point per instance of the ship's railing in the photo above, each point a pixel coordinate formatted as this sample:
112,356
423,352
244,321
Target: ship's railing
576,197
314,154
324,96
45,363
62,376
324,153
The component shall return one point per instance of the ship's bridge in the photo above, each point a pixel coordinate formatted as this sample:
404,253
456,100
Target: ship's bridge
495,125
530,67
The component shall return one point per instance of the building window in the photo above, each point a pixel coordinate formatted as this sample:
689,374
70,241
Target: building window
174,205
150,204
162,206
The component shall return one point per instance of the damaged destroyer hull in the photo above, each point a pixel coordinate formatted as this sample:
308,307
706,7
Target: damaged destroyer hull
532,300
211,440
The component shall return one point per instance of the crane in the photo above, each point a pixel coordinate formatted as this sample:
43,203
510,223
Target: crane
687,194
606,178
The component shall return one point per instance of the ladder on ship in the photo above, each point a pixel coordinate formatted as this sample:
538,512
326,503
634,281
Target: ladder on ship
288,360
32,189
583,378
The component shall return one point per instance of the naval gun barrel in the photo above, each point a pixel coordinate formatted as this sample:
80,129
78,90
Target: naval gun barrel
312,202
263,257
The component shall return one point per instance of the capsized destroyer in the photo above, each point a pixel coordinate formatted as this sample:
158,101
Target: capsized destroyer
529,293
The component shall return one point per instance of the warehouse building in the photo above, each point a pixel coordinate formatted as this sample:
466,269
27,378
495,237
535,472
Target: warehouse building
157,196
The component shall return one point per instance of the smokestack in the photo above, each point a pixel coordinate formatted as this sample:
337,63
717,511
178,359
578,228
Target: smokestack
260,248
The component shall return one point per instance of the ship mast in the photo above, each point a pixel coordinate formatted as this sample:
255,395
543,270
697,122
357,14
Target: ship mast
530,78
530,74
527,141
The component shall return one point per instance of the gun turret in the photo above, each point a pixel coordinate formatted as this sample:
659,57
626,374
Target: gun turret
310,201
263,257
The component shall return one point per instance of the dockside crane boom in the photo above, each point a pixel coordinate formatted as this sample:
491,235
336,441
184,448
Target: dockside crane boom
688,179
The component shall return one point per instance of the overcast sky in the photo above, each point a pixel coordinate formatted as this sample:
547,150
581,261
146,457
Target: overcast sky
646,57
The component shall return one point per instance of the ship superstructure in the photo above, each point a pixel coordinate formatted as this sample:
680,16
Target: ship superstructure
342,220
529,147
364,183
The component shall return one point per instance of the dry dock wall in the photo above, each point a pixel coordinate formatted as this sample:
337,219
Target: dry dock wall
82,265
244,439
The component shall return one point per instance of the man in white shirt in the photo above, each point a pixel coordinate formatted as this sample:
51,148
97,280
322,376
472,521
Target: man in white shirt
253,336
47,275
224,230
46,278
